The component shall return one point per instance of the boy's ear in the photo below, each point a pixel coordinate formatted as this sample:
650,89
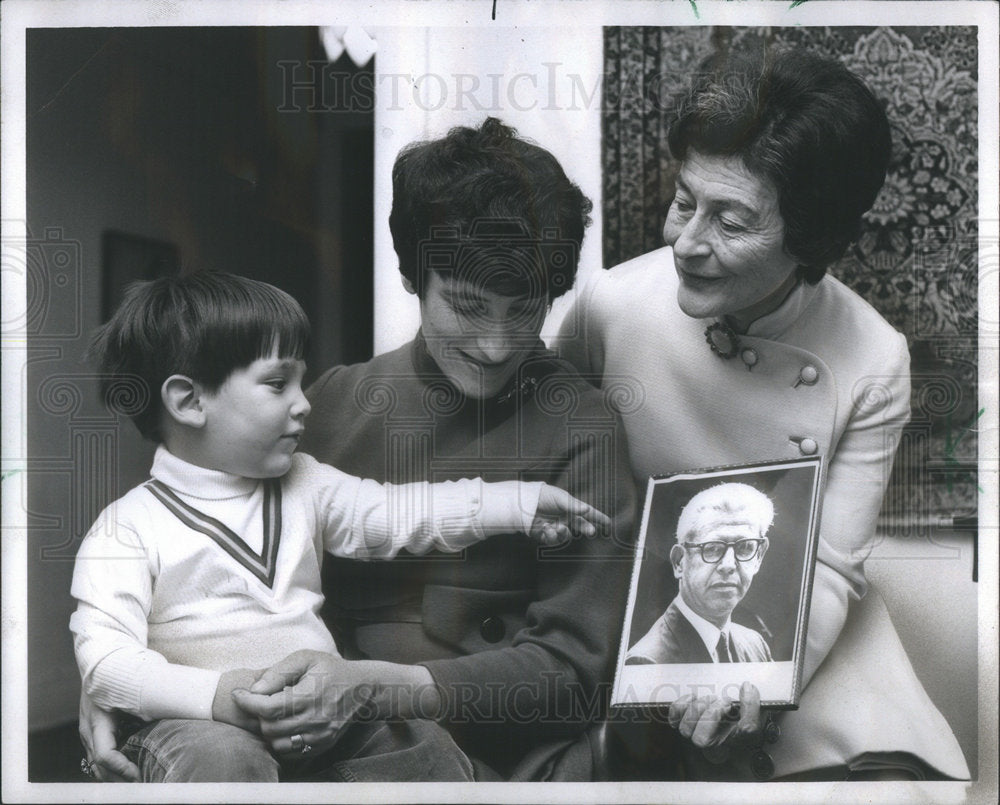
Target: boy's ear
182,400
408,285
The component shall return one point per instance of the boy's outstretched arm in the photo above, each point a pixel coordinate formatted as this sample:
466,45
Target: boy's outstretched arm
363,519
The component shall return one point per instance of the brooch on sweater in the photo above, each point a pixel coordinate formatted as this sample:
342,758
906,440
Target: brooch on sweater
521,390
722,339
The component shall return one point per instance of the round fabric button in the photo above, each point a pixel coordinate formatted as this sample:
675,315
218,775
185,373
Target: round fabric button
492,629
749,356
809,374
808,446
772,732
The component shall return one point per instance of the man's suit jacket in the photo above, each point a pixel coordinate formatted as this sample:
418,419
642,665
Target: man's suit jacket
674,639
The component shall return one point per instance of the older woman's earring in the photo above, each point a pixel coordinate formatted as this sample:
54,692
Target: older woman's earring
722,339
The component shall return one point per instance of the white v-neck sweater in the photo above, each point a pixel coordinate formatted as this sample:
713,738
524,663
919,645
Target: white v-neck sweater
205,571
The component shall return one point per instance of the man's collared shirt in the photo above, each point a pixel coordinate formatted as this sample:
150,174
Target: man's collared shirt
708,632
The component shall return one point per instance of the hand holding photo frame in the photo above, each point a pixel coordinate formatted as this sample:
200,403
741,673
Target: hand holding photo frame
721,585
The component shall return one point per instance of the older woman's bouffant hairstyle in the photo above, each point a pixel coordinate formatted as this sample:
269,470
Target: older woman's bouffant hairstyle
804,122
513,213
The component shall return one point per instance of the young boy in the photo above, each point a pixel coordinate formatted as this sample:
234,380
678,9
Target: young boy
212,567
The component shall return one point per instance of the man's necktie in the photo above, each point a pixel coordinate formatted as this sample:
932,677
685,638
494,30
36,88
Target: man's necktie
722,649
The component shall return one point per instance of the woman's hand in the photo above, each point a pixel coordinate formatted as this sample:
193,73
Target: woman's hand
711,722
559,516
315,695
98,733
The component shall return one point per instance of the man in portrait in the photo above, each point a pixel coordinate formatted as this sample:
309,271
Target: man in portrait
721,543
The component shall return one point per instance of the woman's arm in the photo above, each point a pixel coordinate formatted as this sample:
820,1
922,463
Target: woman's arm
99,736
316,695
99,729
857,475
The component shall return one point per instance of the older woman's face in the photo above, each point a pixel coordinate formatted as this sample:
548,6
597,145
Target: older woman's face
728,240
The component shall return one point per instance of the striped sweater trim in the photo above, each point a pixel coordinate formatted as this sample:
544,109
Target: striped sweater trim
260,565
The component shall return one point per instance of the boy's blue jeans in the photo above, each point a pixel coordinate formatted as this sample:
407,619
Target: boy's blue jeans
181,750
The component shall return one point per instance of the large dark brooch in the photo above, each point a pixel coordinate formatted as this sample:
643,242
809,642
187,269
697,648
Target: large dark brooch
722,340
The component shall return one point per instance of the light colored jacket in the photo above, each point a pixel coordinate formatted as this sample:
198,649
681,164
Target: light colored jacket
824,374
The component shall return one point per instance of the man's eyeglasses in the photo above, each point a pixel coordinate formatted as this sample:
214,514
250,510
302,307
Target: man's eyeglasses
712,552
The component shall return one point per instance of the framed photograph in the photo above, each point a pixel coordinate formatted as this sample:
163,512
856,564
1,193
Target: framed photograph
721,584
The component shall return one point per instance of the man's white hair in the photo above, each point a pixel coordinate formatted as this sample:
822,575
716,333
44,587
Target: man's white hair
742,501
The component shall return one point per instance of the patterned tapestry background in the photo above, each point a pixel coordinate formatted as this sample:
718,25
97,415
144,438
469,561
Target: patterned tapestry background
916,261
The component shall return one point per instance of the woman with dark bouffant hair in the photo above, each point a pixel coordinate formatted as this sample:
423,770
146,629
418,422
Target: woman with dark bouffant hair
748,351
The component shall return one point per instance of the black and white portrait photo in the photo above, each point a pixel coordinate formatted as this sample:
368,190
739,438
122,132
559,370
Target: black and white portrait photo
500,400
722,580
721,543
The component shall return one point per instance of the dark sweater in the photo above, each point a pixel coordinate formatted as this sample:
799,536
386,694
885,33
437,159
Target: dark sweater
520,640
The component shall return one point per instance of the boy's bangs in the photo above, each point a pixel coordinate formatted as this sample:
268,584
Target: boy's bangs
288,340
248,320
272,324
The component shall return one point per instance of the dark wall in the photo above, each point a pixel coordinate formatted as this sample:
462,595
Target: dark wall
160,150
